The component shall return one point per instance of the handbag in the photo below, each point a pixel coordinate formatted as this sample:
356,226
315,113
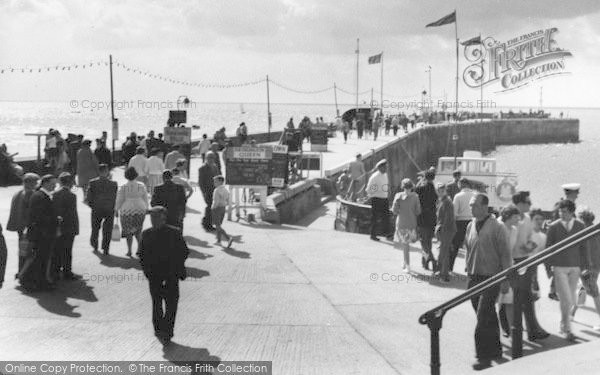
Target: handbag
116,233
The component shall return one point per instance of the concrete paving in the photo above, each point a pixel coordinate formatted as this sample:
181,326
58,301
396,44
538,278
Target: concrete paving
308,298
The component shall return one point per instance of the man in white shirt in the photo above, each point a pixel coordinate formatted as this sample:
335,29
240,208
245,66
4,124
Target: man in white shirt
357,175
139,162
172,157
377,190
463,216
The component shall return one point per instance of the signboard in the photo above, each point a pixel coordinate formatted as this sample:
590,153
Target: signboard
318,139
514,63
279,166
183,138
177,136
177,117
261,166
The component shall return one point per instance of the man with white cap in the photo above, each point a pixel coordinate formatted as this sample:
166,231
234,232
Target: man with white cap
377,190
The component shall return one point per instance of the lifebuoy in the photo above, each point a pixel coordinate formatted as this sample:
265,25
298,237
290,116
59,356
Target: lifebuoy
505,190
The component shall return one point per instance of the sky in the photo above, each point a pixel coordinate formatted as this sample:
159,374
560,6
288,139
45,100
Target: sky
305,45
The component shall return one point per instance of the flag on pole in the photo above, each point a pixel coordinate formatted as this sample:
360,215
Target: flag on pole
472,41
451,18
375,59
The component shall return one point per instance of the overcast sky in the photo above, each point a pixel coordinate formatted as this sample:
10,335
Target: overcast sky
302,44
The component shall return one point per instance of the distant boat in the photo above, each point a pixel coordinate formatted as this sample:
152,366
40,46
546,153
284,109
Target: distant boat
242,109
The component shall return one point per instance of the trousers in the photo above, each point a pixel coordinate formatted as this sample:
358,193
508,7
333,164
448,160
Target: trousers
487,332
164,290
104,219
380,213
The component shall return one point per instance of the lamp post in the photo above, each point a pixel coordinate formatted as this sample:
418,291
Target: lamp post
185,101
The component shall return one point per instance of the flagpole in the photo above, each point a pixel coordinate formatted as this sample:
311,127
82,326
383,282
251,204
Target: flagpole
357,55
456,35
381,102
481,98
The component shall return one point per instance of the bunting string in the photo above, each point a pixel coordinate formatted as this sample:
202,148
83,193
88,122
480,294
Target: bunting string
148,74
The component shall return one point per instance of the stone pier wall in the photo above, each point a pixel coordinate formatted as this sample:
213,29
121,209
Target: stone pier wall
421,149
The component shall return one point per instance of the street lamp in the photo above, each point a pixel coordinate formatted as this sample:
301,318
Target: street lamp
185,101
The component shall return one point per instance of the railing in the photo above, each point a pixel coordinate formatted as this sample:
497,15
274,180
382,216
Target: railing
433,318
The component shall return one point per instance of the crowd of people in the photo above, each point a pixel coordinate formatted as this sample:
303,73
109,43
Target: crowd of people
45,217
460,217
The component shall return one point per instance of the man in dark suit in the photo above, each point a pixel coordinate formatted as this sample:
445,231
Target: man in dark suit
101,198
206,173
162,253
172,197
41,232
427,220
65,204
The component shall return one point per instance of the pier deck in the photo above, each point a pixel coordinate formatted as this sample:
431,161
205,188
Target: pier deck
312,300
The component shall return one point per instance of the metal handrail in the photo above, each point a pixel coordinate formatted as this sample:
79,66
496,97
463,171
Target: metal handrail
433,318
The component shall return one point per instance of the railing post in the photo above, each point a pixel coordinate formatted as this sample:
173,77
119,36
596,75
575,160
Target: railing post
517,319
434,322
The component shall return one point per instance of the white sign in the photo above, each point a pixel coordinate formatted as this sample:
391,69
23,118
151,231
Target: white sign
246,153
277,182
178,136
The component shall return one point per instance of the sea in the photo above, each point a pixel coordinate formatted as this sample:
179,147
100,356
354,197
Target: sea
541,169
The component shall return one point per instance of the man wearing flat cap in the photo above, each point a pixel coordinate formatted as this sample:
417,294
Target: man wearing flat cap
65,204
378,190
162,253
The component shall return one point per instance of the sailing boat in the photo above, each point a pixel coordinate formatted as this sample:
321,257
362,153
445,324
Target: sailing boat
242,108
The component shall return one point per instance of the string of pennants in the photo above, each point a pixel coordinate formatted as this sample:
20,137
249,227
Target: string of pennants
52,68
148,74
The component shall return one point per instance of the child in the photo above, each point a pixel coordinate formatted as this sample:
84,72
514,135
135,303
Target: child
220,202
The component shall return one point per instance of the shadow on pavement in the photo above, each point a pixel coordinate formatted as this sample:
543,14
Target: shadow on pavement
237,253
118,262
55,301
457,281
180,354
314,215
193,241
189,210
195,254
195,273
535,347
268,226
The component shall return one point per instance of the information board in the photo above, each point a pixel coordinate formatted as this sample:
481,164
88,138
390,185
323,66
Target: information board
262,166
177,117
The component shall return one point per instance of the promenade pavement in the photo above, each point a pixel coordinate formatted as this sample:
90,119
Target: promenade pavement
308,298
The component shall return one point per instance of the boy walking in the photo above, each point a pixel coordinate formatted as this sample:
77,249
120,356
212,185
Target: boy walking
219,204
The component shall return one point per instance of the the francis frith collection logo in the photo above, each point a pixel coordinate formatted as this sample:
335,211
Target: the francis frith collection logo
514,63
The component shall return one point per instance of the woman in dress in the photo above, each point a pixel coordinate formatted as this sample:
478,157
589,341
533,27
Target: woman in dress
132,203
407,207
